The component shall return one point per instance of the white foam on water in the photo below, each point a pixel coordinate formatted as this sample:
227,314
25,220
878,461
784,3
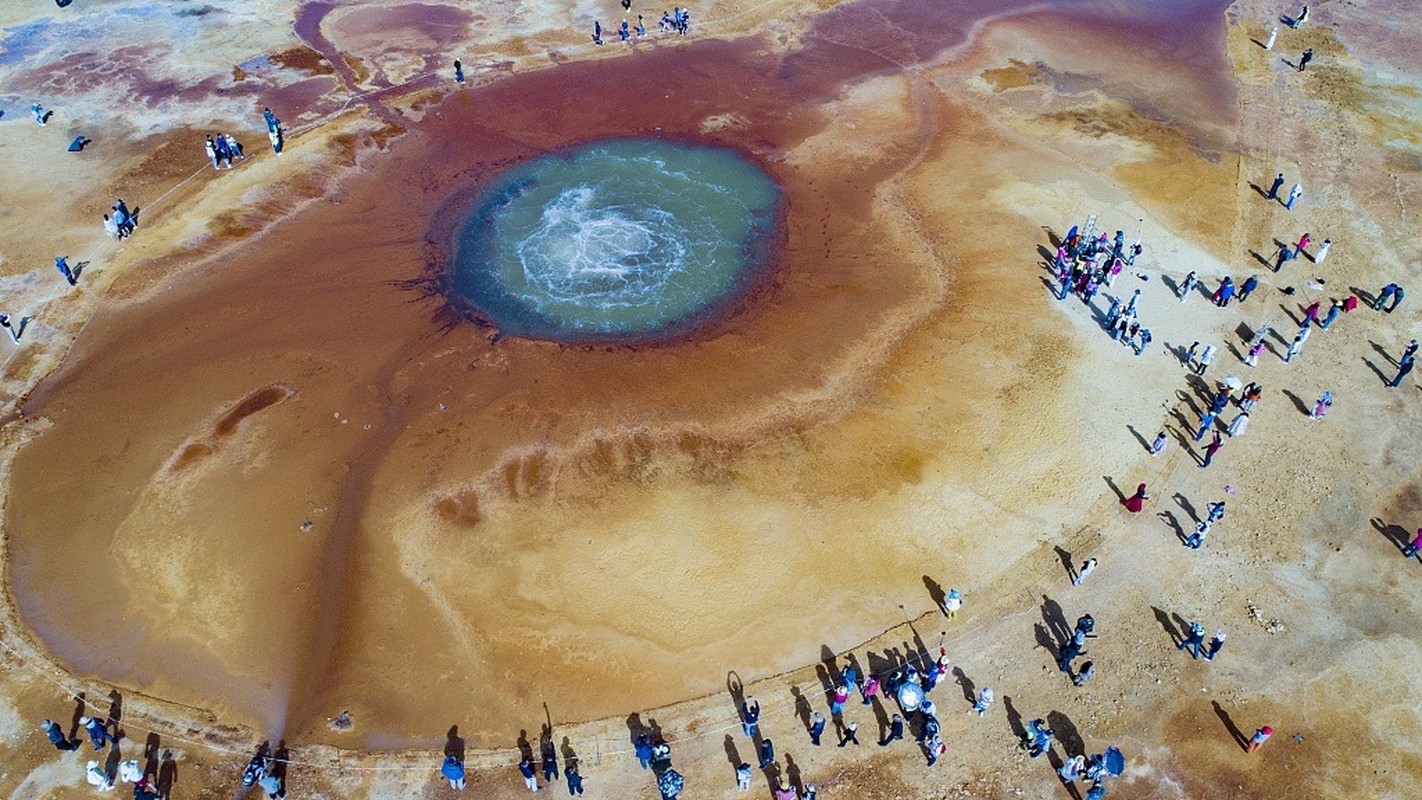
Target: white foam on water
601,255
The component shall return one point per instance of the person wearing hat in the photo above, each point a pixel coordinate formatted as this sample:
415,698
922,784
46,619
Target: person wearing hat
98,734
1260,737
56,736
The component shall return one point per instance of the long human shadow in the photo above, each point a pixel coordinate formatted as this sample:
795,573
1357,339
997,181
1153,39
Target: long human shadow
570,756
80,706
1396,534
151,747
1234,731
1055,620
1380,350
1066,733
1298,402
1067,563
733,753
935,592
1378,372
1164,619
1364,297
1052,236
454,743
1186,506
167,774
1169,518
1014,718
1190,402
970,692
792,775
1120,496
1139,438
802,707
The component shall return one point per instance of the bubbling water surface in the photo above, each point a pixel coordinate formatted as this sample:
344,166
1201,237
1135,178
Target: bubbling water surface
618,239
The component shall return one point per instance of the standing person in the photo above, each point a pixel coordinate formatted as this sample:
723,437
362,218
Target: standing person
210,148
1331,317
1278,180
38,111
642,745
458,71
1294,347
1282,257
936,748
641,27
743,777
1214,512
575,779
1193,640
1410,350
1087,568
1350,303
1322,251
624,32
1157,445
896,731
1087,672
1294,194
1408,551
1136,502
597,33
841,696
1252,358
550,760
11,328
1143,342
1071,769
1213,648
850,735
1188,285
1250,284
1131,304
1302,17
223,154
1210,450
98,733
1404,366
1207,421
1384,295
1259,738
817,728
985,694
1207,357
1238,425
1195,540
1224,293
271,119
1397,295
1320,408
56,736
530,775
869,689
233,146
1305,58
1311,311
275,136
61,263
1269,45
1301,249
952,603
453,770
750,716
767,753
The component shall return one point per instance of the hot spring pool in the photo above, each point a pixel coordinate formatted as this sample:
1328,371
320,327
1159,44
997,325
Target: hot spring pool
616,240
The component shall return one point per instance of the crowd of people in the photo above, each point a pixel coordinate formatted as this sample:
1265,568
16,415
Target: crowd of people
1086,262
677,21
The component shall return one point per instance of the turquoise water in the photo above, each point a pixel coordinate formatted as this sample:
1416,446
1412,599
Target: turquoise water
616,240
